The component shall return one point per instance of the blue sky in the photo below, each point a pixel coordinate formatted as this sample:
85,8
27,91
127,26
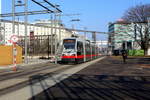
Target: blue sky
95,14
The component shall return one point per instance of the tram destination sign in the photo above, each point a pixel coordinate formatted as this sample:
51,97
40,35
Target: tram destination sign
69,40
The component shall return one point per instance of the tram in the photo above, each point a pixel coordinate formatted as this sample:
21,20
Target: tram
78,50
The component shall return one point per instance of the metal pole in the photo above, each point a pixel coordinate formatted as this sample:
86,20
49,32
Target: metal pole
95,45
91,45
47,34
94,40
45,39
51,34
55,25
0,18
60,28
29,53
13,26
39,40
26,32
18,26
48,42
35,40
48,45
13,32
13,16
84,45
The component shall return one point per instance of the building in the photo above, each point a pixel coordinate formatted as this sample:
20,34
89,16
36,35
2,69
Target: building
63,33
43,38
120,33
39,28
121,36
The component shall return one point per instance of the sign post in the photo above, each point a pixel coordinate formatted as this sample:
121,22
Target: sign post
14,40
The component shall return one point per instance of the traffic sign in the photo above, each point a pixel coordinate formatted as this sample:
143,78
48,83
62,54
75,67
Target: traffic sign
14,39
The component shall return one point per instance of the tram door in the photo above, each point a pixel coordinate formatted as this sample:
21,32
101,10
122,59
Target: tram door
80,51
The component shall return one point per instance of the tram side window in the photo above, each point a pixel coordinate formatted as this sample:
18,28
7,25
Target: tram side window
79,48
87,46
93,49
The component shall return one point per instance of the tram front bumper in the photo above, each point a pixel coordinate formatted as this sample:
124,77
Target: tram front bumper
68,59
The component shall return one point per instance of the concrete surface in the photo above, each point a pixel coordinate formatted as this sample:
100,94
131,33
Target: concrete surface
28,92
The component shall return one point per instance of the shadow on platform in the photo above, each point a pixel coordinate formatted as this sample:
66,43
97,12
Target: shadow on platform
94,87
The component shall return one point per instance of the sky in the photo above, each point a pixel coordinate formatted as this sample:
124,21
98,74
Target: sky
94,14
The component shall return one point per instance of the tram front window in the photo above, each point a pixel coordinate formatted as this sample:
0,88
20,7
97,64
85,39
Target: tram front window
69,44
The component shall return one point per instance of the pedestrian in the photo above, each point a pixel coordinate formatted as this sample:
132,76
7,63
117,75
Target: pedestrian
124,56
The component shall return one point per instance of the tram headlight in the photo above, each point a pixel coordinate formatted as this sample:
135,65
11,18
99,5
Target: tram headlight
73,55
63,55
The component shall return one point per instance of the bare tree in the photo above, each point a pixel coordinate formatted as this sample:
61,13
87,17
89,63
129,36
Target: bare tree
138,15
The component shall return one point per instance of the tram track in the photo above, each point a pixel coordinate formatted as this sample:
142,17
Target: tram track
34,77
8,76
23,68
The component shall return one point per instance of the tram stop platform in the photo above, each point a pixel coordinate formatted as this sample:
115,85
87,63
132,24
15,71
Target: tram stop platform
108,79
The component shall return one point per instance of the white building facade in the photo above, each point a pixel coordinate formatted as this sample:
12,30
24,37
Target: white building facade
38,28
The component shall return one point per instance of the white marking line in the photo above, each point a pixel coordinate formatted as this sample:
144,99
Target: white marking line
34,89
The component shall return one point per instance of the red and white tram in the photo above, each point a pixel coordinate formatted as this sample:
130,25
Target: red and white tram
78,50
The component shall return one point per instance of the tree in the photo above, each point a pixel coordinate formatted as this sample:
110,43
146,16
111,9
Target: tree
139,15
